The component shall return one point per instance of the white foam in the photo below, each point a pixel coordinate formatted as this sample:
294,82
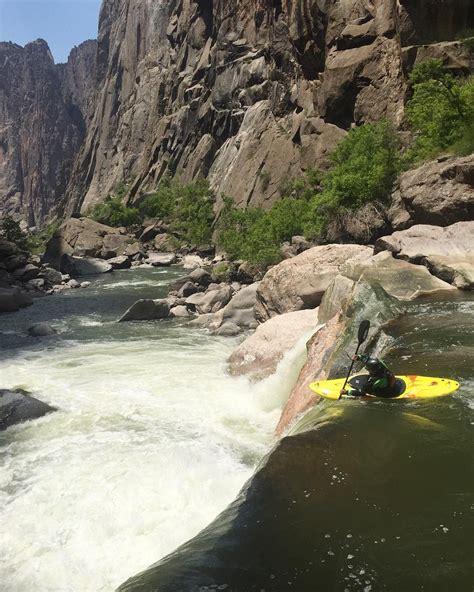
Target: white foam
153,439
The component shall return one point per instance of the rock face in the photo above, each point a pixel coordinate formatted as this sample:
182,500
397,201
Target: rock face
43,114
447,252
17,406
440,192
300,282
244,90
259,354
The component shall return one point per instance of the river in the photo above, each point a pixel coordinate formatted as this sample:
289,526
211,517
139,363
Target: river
151,441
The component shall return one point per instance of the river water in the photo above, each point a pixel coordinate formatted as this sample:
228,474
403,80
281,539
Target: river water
151,441
365,496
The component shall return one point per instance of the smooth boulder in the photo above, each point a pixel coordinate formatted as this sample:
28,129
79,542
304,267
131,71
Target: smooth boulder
210,301
147,310
447,252
258,356
300,282
80,266
18,406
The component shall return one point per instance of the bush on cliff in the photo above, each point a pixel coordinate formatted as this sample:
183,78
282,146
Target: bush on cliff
187,208
440,111
113,212
365,165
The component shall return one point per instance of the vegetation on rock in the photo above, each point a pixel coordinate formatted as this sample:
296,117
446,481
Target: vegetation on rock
11,231
187,208
441,112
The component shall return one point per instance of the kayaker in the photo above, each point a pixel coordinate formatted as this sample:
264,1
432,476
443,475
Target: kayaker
380,381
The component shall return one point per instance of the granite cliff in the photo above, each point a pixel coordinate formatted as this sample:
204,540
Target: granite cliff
245,92
43,113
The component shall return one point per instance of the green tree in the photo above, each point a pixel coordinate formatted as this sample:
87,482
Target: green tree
11,231
440,111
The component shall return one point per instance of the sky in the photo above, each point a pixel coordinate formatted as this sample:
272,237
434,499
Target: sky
62,23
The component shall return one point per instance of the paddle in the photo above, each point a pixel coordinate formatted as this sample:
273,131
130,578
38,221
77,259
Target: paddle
361,336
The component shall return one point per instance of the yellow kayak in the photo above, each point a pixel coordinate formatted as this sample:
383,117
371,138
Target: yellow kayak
412,387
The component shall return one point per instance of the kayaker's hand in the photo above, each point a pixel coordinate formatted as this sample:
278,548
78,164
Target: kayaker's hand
343,392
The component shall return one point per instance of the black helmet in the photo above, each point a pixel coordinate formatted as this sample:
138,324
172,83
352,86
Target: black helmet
375,367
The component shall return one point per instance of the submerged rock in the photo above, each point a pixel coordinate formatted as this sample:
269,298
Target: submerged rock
18,406
42,330
147,310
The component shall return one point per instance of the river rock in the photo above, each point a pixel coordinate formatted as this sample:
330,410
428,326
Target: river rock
400,279
12,299
192,261
161,259
147,310
240,310
179,311
209,301
29,272
440,192
187,289
121,262
300,282
227,330
52,277
200,276
18,406
164,242
447,252
74,284
79,266
258,356
42,330
36,284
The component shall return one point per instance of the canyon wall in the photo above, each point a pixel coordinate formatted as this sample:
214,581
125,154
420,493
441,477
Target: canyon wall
245,92
43,114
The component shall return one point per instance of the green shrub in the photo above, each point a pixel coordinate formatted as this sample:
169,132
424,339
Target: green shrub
188,209
441,111
114,213
10,230
38,241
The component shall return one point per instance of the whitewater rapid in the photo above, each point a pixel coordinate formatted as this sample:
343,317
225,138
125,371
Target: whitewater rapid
151,440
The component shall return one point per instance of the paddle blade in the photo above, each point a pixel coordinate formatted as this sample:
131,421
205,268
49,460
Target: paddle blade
363,331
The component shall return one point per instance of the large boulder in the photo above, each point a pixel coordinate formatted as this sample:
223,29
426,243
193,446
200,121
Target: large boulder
161,259
12,299
300,282
17,406
240,311
210,301
440,192
120,262
399,279
448,252
84,237
258,356
147,310
80,266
